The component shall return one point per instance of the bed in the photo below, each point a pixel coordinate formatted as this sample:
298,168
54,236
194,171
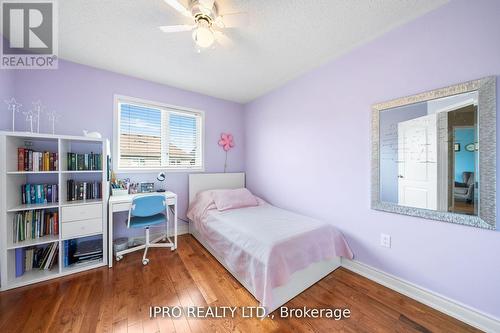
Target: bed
275,254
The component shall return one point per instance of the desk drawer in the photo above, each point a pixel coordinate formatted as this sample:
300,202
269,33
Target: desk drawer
81,228
125,206
83,212
121,207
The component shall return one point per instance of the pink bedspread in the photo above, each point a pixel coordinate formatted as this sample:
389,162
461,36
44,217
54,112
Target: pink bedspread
265,245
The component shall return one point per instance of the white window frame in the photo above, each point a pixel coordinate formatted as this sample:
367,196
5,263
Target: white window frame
157,105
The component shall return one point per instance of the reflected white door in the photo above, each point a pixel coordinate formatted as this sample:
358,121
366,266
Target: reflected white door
417,161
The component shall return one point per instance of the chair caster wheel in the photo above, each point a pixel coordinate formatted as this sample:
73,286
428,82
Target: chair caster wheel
118,258
145,262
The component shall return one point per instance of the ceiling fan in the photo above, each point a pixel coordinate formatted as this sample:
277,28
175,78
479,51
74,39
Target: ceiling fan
207,24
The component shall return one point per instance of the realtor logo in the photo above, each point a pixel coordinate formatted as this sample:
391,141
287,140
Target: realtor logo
29,34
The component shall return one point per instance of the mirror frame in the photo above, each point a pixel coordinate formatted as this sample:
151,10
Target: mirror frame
487,109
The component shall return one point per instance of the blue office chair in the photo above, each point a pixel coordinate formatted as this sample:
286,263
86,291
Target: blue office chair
147,211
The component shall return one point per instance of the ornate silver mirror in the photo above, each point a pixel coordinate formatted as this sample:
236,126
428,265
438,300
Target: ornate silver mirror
434,154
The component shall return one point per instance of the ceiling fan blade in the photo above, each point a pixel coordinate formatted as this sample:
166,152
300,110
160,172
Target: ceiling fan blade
175,4
232,20
176,28
222,39
206,6
207,3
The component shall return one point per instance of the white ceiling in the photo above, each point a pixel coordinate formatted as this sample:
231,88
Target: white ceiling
285,38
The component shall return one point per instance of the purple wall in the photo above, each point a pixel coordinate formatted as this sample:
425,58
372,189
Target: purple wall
6,90
6,86
84,97
308,148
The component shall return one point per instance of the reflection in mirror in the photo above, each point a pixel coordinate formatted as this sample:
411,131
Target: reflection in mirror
429,154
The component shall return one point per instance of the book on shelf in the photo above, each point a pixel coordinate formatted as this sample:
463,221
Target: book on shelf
34,224
84,162
83,190
19,262
82,251
39,193
29,160
36,257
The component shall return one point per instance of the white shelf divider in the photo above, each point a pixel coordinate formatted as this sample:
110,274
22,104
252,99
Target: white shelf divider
24,207
32,242
31,172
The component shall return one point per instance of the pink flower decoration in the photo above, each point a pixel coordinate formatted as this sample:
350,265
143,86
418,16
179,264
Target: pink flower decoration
226,141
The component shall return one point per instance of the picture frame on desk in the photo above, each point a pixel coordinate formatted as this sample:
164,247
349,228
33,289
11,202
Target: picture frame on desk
134,188
147,187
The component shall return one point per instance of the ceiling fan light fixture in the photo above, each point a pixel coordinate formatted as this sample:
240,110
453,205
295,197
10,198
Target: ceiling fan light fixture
208,23
203,36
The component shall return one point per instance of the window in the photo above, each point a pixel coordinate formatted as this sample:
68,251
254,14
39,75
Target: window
152,136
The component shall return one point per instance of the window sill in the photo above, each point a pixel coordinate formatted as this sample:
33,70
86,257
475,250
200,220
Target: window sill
145,171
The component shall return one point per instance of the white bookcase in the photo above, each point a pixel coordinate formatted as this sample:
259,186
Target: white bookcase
76,219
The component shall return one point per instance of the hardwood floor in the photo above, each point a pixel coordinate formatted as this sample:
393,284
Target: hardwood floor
464,207
118,300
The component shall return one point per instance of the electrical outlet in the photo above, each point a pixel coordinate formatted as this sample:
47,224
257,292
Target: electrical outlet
385,240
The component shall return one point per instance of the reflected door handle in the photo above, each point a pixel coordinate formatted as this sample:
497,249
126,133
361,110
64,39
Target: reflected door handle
399,176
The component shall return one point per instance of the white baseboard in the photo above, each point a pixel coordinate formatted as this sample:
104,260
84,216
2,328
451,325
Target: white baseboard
441,303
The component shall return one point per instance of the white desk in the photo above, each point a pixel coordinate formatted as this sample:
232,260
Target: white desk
121,203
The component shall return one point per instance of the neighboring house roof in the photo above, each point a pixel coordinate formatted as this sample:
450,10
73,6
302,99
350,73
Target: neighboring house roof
149,147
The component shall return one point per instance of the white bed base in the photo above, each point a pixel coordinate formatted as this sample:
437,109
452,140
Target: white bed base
299,281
